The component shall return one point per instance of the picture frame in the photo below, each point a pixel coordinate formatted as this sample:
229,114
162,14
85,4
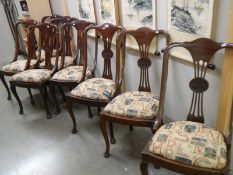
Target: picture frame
86,10
135,14
108,11
189,20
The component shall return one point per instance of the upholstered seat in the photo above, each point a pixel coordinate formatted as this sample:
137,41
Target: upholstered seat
68,61
71,73
191,143
134,104
33,75
95,88
18,66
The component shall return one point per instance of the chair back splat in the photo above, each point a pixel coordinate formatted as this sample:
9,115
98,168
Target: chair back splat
144,37
202,51
79,26
106,32
47,33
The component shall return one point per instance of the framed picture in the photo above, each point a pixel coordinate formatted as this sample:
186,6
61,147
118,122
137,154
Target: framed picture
86,10
108,11
189,20
136,14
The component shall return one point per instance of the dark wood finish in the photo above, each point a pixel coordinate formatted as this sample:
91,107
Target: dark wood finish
201,50
47,33
105,32
144,37
79,27
25,25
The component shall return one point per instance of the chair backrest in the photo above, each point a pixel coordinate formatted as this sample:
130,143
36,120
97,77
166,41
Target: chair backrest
202,51
47,33
24,24
144,37
51,17
106,32
79,27
59,21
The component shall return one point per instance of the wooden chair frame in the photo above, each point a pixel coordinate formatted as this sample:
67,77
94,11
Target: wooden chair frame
47,32
25,24
106,32
201,51
79,26
144,37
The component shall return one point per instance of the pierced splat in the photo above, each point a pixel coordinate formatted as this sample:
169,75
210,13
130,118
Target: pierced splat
80,27
66,32
107,31
47,33
202,51
144,37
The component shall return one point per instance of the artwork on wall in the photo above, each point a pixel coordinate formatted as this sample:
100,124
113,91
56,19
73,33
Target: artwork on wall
189,20
86,10
107,11
138,13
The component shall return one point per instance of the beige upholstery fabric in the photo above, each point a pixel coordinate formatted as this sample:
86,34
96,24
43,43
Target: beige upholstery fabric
42,57
191,143
95,88
18,66
33,75
135,104
68,61
71,73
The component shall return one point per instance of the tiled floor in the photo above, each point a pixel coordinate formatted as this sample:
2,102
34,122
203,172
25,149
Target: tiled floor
32,145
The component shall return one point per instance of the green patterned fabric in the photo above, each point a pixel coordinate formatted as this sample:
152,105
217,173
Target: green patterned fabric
95,88
18,66
71,73
134,104
191,143
33,75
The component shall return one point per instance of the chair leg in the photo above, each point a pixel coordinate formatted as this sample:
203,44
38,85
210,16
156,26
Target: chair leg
112,138
131,128
102,125
90,115
31,97
13,89
6,86
70,110
52,91
144,168
43,92
99,110
62,93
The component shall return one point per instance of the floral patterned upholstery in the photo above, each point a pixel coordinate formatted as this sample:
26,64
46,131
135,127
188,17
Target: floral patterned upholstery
42,56
68,61
134,104
191,143
33,76
71,73
95,88
18,66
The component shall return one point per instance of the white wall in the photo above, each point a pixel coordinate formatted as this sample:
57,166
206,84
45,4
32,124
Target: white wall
180,73
6,38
